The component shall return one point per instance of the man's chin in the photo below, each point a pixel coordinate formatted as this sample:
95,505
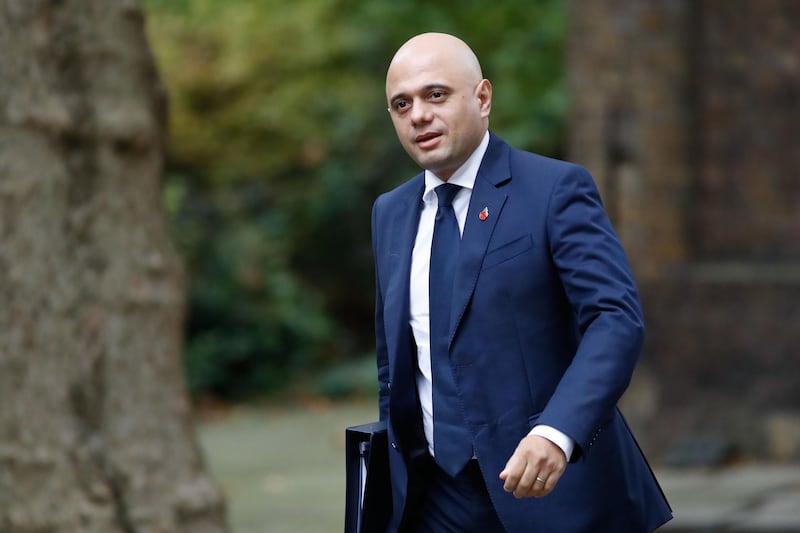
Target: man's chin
430,162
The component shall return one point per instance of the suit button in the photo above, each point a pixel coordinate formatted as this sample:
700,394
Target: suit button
394,445
389,385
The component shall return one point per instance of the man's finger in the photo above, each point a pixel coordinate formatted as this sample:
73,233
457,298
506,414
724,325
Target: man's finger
512,473
527,484
551,480
512,483
544,484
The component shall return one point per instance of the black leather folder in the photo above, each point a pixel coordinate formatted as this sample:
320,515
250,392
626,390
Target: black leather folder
368,497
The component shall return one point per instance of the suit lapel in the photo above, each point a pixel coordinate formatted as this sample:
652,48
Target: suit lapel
489,196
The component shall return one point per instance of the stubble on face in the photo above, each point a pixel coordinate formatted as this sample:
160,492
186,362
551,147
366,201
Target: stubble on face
438,135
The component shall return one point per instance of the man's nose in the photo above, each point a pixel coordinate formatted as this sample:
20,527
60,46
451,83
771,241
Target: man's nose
421,112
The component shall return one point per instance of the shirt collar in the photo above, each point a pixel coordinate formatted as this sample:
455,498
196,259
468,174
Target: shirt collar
464,176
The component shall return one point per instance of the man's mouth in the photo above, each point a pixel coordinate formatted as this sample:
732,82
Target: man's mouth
427,139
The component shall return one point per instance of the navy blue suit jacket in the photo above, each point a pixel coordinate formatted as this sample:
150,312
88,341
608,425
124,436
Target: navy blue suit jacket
546,328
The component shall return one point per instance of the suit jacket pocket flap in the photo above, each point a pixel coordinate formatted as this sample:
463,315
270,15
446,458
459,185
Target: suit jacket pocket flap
506,251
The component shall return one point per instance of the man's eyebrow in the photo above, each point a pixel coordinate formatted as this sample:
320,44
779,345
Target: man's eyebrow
398,96
426,88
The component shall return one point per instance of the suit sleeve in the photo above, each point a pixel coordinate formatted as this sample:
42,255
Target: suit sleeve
380,336
599,285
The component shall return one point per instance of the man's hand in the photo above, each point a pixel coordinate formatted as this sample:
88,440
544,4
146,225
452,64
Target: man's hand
534,469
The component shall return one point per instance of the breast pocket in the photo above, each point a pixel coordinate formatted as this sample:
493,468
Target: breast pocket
507,251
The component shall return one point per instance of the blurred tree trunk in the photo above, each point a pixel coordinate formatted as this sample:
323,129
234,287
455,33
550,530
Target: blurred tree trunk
95,425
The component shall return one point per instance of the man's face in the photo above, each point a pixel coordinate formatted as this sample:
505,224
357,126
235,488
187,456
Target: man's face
439,108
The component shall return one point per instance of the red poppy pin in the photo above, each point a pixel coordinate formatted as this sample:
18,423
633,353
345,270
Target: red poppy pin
483,215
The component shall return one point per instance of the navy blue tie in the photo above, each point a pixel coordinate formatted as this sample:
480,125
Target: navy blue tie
452,442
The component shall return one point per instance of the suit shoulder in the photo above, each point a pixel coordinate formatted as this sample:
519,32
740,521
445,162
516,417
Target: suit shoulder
523,162
403,191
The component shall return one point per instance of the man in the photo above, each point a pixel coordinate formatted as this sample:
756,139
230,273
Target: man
507,323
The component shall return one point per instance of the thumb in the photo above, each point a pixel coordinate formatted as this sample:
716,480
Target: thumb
504,473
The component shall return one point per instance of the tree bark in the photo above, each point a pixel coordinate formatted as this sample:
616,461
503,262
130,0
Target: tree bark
95,423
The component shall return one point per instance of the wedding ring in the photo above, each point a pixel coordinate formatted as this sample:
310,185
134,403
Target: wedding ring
540,480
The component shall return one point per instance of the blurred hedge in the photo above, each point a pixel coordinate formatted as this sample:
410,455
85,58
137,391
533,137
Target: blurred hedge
279,144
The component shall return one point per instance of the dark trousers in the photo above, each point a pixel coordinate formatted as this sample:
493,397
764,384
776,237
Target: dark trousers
439,503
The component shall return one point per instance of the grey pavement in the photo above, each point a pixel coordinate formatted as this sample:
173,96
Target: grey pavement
747,498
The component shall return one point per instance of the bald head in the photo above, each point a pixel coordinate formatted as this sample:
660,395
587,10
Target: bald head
438,101
440,47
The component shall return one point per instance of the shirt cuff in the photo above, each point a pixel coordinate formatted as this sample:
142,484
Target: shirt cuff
558,438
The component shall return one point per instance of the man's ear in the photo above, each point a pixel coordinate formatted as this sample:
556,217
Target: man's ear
484,93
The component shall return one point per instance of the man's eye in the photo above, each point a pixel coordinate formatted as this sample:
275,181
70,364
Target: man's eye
436,95
401,105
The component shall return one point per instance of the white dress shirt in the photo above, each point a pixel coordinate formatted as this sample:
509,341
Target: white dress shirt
419,295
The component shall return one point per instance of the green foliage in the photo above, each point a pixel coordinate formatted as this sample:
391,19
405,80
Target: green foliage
354,378
279,144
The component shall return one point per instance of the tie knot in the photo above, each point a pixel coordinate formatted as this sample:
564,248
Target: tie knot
445,193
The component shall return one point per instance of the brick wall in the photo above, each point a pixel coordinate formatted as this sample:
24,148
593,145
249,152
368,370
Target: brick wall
687,113
748,106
